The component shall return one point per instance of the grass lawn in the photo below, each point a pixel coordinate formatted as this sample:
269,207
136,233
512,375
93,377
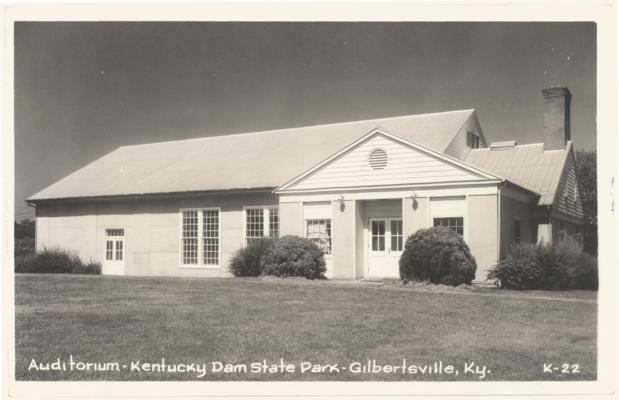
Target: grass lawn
242,321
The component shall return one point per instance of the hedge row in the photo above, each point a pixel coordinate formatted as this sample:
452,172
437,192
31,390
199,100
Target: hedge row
55,261
547,267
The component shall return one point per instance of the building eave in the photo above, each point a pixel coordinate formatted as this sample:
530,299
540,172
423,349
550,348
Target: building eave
149,196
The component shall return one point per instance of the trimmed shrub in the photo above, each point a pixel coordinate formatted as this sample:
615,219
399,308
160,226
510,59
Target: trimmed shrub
247,260
294,256
89,268
55,261
437,255
543,266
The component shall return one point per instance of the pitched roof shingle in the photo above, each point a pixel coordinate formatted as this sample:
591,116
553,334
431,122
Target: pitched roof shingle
239,161
526,165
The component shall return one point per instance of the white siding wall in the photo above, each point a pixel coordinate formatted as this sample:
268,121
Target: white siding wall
382,208
152,230
405,166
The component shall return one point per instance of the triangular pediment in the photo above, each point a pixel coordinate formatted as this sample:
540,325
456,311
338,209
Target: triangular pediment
382,159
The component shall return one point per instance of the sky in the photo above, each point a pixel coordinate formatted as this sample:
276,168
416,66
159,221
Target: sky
82,89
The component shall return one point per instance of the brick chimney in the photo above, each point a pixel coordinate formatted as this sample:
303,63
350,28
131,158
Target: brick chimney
556,117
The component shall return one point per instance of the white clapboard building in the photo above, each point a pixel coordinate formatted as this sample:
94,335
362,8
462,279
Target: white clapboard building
182,208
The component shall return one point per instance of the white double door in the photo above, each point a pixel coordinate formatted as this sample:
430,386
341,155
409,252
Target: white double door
385,243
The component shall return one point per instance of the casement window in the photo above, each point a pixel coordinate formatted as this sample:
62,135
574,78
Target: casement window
472,140
516,231
261,222
454,223
319,231
200,237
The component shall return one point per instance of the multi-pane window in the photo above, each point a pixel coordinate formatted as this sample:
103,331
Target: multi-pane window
210,237
319,231
109,250
200,237
254,224
516,231
114,241
274,222
261,222
190,237
455,223
119,250
378,235
397,235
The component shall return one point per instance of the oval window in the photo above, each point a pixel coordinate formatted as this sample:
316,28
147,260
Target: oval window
378,159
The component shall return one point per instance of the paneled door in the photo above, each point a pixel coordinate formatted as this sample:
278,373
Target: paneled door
386,242
114,252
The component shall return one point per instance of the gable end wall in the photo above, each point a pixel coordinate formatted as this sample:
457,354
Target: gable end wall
567,205
458,147
405,165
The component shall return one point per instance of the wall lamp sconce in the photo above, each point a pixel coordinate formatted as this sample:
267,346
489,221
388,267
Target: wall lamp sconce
340,200
414,198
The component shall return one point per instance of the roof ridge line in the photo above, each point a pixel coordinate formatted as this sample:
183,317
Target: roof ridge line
299,127
518,145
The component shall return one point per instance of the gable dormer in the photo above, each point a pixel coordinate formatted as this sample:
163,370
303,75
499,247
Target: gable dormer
469,137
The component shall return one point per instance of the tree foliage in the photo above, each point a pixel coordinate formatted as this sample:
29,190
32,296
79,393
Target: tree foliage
586,171
24,229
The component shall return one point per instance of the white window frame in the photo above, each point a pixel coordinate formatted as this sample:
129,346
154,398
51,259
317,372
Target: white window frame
318,220
453,217
114,238
449,214
200,264
266,221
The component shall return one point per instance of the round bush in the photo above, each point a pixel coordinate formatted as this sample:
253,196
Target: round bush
437,255
294,256
247,261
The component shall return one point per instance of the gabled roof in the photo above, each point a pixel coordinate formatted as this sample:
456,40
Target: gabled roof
526,165
239,161
382,132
